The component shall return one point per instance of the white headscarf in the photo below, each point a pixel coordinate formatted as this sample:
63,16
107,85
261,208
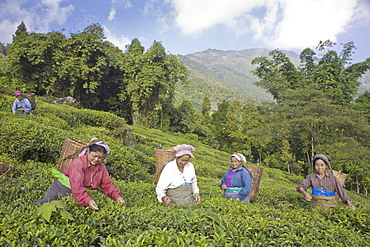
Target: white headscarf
239,157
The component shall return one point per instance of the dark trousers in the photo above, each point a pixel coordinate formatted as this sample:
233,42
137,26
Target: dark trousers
56,190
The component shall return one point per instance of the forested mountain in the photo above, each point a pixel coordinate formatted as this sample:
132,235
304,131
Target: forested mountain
227,75
224,75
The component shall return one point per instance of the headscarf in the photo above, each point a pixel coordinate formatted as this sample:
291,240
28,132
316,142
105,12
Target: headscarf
17,93
323,157
239,157
97,142
184,149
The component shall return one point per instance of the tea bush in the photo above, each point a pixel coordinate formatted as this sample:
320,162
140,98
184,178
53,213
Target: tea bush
143,221
75,116
24,138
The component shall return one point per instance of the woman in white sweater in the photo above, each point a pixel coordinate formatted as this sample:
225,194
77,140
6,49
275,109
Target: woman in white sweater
177,184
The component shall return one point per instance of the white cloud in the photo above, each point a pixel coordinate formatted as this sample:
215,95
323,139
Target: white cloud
112,14
37,17
306,22
199,15
8,24
276,23
120,42
55,12
125,3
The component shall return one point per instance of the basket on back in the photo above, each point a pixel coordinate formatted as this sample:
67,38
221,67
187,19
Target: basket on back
256,173
340,175
31,99
70,151
162,157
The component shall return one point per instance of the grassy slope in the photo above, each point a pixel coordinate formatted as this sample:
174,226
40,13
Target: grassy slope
279,217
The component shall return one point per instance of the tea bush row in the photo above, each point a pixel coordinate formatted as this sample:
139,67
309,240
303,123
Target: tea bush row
144,221
24,138
69,114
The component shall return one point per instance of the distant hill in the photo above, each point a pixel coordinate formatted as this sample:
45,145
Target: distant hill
226,75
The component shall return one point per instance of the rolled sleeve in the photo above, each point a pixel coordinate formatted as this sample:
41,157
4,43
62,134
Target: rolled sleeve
305,184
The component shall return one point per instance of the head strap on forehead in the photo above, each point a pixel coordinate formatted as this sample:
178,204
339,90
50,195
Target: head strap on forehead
322,157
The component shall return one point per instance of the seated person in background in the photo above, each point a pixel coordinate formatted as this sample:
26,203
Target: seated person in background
177,184
86,172
21,104
325,186
237,181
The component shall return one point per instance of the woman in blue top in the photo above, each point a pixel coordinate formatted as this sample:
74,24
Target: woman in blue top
21,104
237,182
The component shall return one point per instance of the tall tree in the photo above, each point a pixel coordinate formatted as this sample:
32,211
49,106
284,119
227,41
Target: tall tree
333,74
277,74
151,78
30,59
206,110
234,127
186,119
80,67
219,124
362,103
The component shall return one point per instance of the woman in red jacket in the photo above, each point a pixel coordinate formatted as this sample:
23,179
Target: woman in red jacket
86,172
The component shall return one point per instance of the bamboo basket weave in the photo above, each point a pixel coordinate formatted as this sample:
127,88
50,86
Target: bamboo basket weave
256,173
32,100
162,157
340,175
70,150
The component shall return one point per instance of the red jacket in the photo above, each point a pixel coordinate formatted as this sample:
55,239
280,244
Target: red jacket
81,178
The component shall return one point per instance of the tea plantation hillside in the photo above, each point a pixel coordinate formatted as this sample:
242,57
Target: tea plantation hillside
30,147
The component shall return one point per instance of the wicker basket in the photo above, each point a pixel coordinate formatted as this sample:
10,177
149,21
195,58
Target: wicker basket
162,156
256,173
341,176
31,99
70,151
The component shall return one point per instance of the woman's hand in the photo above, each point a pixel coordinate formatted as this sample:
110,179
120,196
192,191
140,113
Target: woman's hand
166,200
93,205
237,199
349,204
224,187
307,196
197,198
121,201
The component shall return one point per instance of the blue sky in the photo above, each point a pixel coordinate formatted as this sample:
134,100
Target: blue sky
189,26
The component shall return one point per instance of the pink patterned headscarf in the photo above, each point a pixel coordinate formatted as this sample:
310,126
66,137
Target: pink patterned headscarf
100,143
184,149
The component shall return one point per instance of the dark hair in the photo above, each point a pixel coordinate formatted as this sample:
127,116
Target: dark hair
97,148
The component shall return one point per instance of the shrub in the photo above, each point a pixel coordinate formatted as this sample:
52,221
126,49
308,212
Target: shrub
25,139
